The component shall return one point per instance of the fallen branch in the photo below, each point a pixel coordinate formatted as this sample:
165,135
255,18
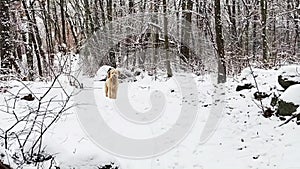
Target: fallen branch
288,120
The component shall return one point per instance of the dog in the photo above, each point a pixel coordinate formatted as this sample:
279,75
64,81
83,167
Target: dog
112,83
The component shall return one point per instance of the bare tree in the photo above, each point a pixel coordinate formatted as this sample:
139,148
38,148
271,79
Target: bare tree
220,43
5,32
168,65
263,8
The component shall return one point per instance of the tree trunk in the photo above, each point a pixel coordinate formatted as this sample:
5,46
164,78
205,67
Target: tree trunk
142,58
130,4
168,65
89,25
63,21
220,43
155,35
102,12
297,30
5,33
57,28
33,42
263,6
111,52
184,49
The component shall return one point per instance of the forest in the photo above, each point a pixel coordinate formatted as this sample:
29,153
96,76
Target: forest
266,32
149,84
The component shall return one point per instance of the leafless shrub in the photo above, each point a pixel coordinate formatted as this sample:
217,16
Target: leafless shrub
29,117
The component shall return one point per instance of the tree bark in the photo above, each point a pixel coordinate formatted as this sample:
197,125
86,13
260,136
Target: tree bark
63,21
111,52
220,43
297,30
5,33
255,40
263,6
130,4
166,35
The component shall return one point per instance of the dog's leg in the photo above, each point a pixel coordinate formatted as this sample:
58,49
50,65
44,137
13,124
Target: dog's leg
113,93
116,92
109,92
106,90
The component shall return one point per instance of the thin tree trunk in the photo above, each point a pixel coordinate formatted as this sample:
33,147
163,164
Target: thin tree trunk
220,43
297,30
156,35
255,40
57,28
38,44
184,50
49,34
63,21
112,54
142,58
130,4
168,65
102,13
263,6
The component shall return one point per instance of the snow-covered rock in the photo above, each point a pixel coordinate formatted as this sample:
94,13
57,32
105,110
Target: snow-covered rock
125,75
289,101
292,94
102,73
289,75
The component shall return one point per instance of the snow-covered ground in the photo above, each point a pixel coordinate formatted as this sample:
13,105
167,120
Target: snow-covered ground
242,138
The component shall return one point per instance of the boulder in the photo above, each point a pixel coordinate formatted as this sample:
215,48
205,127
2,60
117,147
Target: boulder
288,76
289,101
126,75
285,82
286,108
244,86
102,73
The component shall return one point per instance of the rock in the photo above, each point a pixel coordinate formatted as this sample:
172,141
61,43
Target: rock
245,86
274,100
126,76
137,72
4,166
29,97
285,82
298,119
288,76
243,96
286,108
109,166
102,73
282,118
289,101
268,113
260,95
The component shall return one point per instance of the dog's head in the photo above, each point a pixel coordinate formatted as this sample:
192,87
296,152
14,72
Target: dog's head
113,73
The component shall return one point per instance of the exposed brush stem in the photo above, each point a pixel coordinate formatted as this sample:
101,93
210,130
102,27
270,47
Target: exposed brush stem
256,85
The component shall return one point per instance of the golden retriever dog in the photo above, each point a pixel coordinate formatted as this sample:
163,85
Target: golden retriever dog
112,84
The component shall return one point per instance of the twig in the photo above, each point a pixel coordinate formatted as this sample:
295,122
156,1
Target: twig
256,85
288,120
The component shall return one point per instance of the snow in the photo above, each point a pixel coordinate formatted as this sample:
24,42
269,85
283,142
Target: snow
102,73
292,95
242,138
292,72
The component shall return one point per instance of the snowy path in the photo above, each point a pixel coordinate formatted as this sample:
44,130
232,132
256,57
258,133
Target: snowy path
243,139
